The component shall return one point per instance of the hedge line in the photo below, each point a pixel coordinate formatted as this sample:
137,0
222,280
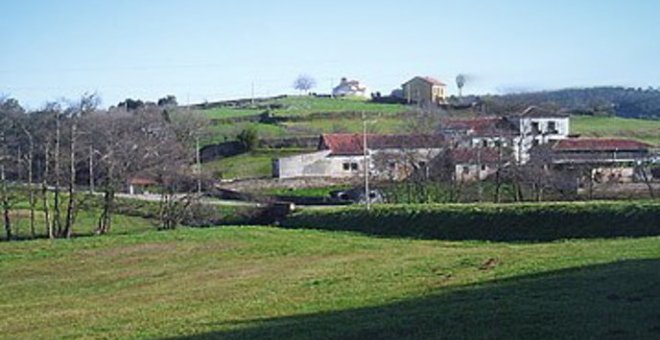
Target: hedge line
520,222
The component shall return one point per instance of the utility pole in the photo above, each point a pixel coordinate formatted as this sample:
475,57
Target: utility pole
252,95
367,194
91,169
199,166
479,184
332,88
409,94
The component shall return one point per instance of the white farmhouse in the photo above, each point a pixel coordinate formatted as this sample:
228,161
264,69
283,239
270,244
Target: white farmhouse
537,127
350,88
343,156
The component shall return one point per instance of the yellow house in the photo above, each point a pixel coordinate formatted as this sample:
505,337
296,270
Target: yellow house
423,90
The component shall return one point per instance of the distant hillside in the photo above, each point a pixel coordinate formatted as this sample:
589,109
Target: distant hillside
620,101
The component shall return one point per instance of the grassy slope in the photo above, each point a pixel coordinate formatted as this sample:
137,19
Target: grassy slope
229,112
646,130
641,129
305,105
227,132
255,164
319,126
269,283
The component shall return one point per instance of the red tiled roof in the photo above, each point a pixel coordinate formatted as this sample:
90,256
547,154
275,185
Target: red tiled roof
434,81
537,112
429,80
141,181
472,155
352,144
478,126
600,144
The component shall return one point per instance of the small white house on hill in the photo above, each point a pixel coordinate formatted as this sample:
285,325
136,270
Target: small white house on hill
350,88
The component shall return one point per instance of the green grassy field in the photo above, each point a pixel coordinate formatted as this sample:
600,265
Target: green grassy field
230,112
640,129
306,105
226,132
383,125
256,164
268,283
307,192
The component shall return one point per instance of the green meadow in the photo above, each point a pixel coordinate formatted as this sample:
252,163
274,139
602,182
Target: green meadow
259,282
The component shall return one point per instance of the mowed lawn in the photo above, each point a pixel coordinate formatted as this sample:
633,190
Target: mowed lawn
257,282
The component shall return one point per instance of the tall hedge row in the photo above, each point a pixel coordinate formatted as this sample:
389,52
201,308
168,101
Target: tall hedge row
520,222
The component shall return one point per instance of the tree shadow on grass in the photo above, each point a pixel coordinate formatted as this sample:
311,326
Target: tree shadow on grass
611,301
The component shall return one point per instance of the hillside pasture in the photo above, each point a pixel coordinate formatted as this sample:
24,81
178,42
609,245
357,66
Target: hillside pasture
255,164
262,283
605,126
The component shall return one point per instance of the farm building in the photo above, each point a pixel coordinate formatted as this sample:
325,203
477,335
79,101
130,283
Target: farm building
472,164
472,148
343,156
520,133
608,160
350,88
425,90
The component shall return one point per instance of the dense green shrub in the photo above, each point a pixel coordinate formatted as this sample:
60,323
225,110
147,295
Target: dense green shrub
249,139
520,222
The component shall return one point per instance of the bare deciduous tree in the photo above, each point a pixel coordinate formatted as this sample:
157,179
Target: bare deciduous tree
304,83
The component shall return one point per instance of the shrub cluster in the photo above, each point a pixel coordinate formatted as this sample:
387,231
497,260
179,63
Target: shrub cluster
519,222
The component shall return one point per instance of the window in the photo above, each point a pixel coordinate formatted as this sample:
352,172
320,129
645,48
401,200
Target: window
483,167
552,127
484,143
350,167
466,170
535,127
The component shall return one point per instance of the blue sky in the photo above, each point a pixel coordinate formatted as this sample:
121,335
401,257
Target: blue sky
213,49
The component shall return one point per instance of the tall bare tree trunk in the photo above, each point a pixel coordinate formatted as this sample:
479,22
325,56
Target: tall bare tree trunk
44,192
4,194
30,179
646,177
30,159
498,174
57,219
5,203
68,228
91,170
105,220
